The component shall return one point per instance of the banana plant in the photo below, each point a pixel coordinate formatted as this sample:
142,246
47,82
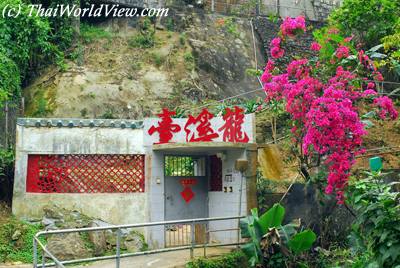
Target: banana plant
267,236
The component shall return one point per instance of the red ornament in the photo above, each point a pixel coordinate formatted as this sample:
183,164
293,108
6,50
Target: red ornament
233,126
187,194
165,127
204,130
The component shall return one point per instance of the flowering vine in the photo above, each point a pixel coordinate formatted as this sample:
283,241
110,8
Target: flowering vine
322,96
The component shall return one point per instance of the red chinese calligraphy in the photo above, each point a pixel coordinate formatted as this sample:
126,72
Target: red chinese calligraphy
165,128
203,129
233,126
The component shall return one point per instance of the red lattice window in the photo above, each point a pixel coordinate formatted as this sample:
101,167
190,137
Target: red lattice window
215,173
82,173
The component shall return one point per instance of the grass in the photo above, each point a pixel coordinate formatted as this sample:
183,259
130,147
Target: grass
230,260
142,41
19,250
157,59
90,33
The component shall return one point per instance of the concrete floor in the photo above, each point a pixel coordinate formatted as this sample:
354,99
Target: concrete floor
173,259
160,260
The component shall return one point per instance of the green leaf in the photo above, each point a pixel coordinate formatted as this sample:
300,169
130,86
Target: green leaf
376,48
250,251
302,241
272,218
377,55
367,123
244,228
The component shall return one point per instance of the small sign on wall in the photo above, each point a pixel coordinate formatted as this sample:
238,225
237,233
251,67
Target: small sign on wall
228,178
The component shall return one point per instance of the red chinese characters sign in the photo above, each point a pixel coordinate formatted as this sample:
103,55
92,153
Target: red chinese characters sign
165,127
201,128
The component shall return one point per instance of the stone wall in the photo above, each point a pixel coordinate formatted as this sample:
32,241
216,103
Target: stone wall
267,30
324,7
316,10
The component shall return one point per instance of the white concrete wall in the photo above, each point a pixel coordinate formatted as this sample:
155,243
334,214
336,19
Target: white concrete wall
227,204
115,208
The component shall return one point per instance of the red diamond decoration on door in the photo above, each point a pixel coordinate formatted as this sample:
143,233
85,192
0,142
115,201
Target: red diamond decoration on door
187,194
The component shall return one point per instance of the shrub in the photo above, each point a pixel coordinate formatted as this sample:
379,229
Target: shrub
368,20
146,36
376,231
157,59
270,243
89,33
321,95
25,39
9,79
231,260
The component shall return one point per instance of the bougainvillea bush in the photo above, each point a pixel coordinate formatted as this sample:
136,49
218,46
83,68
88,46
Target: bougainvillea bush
322,93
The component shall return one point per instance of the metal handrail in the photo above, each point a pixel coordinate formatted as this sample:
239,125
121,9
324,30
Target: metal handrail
118,255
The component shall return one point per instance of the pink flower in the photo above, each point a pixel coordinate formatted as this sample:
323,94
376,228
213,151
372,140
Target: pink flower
370,85
386,108
369,92
270,66
348,39
315,46
293,26
276,42
333,31
266,76
277,52
377,76
298,68
342,52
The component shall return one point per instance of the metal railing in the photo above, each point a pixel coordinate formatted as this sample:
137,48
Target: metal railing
192,246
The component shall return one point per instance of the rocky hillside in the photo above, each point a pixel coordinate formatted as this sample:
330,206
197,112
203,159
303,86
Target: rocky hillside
196,57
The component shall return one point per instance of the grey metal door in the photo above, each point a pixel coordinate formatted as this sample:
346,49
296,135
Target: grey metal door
186,197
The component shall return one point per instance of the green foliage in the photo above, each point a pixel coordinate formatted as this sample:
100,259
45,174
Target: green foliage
182,39
231,27
270,242
62,32
272,218
17,250
25,39
368,20
376,231
6,160
189,60
253,72
179,113
9,79
251,106
391,45
90,33
42,108
302,241
29,43
169,24
157,58
146,36
108,115
231,260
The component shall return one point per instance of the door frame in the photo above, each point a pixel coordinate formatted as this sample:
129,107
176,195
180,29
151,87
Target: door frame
207,176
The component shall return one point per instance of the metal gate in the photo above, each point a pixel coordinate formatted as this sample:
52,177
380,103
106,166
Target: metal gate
186,197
